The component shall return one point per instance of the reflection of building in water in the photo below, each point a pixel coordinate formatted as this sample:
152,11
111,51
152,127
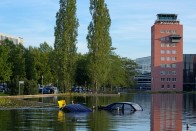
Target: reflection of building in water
166,112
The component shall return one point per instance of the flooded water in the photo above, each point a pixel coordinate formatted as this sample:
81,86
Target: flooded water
162,112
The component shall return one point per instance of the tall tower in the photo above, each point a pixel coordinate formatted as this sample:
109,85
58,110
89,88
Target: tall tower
167,53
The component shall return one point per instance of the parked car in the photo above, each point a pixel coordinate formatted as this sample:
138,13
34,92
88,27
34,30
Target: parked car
122,106
48,90
2,89
76,108
80,89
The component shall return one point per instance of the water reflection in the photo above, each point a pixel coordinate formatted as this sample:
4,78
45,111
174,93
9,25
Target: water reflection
162,112
166,112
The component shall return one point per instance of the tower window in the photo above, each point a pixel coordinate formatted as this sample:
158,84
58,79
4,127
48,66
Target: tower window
162,65
173,51
174,58
168,58
168,65
168,52
173,65
162,72
162,51
173,72
162,58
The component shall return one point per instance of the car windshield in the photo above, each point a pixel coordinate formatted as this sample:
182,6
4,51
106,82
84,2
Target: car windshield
117,106
137,107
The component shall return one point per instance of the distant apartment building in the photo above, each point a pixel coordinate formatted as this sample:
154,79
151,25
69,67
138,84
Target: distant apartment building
14,39
143,79
167,53
144,65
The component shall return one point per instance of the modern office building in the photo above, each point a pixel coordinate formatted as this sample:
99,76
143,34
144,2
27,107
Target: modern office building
143,79
16,40
167,53
189,72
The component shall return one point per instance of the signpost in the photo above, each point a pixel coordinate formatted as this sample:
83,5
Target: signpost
20,82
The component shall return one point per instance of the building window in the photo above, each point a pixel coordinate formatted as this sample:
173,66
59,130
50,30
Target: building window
174,79
168,58
168,79
173,44
162,72
168,52
168,72
162,65
173,51
168,65
167,38
174,86
174,31
162,79
174,58
162,38
173,72
162,86
168,45
168,86
162,51
173,65
162,44
162,31
162,58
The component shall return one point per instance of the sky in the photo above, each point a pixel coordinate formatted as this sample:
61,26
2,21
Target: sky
34,21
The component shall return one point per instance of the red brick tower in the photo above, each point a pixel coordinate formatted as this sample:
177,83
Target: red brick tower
167,53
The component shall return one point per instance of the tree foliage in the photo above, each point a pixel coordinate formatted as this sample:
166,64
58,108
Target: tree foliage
65,42
99,43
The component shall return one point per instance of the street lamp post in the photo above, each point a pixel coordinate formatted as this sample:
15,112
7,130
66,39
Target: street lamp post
42,84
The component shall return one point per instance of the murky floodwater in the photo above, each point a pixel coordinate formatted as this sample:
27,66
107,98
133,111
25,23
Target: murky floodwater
162,112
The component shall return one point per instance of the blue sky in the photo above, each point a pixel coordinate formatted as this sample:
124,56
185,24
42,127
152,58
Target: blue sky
34,20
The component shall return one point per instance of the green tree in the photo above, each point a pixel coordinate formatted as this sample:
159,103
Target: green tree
66,32
99,43
5,67
129,66
81,77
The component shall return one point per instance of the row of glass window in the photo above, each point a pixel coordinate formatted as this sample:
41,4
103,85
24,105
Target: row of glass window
168,44
168,86
168,65
168,73
168,51
168,58
168,79
168,31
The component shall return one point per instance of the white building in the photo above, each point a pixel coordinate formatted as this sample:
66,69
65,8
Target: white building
144,65
16,40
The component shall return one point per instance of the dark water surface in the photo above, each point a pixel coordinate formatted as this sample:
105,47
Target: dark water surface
162,112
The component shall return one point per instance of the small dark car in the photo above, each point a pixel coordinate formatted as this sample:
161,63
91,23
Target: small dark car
76,108
122,106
